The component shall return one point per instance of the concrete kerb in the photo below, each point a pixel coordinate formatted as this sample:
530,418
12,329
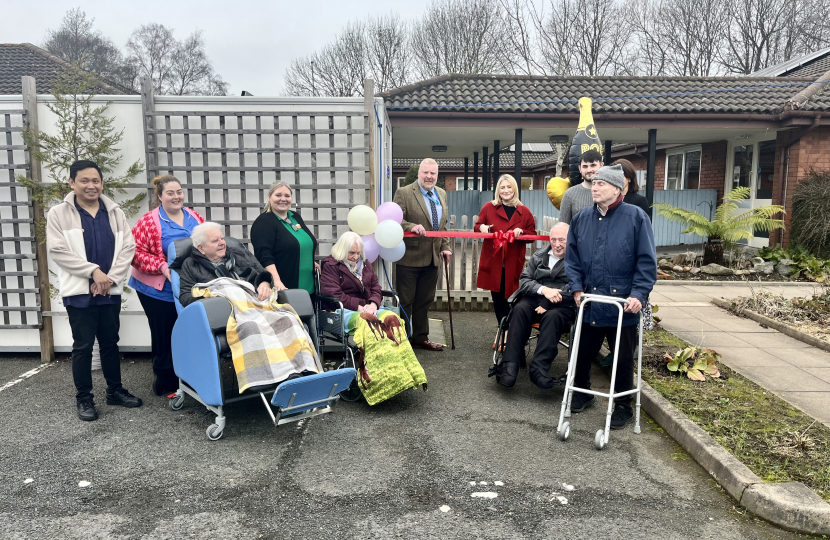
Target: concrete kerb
790,505
776,325
714,283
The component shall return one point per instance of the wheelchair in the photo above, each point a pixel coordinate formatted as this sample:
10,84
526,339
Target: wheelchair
331,327
202,357
501,344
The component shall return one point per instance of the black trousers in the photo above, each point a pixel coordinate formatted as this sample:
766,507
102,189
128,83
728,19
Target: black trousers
416,290
552,324
500,304
88,323
162,316
590,342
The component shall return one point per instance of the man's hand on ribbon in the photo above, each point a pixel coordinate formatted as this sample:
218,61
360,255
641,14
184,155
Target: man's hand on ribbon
419,230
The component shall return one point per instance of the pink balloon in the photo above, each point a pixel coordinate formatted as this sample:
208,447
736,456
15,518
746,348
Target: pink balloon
370,247
389,210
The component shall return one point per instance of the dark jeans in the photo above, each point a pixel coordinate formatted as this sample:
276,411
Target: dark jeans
416,290
552,324
590,342
500,304
161,316
88,323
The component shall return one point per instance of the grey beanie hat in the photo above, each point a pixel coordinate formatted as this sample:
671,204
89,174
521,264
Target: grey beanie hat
612,174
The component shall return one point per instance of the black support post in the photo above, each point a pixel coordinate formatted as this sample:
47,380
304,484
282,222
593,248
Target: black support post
485,166
466,174
475,168
652,159
518,165
606,157
496,158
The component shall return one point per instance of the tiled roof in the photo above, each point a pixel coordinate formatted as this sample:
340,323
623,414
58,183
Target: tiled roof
507,161
19,59
615,95
812,65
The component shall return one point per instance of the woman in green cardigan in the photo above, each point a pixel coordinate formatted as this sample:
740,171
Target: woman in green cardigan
283,244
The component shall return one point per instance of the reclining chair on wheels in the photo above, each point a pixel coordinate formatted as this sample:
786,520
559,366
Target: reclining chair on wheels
331,326
200,347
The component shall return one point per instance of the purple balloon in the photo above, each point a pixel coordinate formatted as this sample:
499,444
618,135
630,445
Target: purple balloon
393,254
370,247
389,210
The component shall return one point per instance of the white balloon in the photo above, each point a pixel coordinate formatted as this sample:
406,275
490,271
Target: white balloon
393,254
389,234
362,220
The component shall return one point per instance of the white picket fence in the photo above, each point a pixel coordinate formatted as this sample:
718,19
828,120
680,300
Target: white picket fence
463,267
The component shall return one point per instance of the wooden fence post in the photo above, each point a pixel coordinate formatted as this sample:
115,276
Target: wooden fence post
369,105
148,106
47,337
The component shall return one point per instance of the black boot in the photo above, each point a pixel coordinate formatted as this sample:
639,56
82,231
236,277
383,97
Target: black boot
508,375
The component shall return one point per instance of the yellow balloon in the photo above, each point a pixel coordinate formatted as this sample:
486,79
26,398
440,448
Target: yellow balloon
556,188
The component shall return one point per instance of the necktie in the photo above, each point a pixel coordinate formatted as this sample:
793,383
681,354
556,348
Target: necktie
434,212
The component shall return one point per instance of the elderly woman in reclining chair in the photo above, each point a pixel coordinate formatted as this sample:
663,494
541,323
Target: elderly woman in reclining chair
280,351
388,365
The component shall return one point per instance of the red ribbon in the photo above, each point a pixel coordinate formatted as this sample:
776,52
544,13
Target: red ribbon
502,239
491,236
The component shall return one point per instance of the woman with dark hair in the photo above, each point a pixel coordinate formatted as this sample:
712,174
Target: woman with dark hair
631,189
169,221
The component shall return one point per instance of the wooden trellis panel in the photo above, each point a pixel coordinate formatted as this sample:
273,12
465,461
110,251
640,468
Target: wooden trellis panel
19,297
227,160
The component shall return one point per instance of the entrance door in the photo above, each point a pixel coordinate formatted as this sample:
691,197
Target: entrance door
751,165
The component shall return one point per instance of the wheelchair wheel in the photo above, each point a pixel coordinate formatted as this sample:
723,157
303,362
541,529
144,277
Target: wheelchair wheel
497,354
214,432
177,402
352,393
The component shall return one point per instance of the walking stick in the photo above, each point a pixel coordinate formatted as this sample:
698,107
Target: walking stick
449,301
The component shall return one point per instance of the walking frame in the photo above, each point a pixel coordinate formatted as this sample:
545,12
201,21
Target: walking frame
602,436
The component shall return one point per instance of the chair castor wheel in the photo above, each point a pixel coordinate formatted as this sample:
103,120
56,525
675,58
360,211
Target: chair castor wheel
214,433
566,431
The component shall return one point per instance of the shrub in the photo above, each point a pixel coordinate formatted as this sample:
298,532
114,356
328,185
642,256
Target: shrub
810,226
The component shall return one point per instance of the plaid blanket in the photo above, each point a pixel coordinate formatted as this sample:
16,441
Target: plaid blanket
267,340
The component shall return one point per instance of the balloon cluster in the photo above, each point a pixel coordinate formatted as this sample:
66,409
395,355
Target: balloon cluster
380,230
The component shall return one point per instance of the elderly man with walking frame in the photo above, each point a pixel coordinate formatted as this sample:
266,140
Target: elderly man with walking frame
544,297
610,252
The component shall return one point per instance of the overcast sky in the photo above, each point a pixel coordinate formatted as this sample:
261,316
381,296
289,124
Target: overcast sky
251,43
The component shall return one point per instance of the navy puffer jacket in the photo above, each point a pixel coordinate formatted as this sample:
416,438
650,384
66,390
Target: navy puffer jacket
613,255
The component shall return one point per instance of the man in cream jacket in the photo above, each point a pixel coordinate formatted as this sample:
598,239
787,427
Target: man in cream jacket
88,237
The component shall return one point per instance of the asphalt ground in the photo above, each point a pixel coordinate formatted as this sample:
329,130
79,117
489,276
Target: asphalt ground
360,472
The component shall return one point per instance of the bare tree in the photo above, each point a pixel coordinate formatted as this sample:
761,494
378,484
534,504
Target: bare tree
77,42
176,67
386,52
754,32
461,36
338,69
520,17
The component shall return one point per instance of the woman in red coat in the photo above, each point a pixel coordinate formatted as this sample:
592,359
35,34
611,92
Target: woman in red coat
499,269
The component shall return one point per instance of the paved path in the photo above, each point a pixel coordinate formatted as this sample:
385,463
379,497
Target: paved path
789,368
362,472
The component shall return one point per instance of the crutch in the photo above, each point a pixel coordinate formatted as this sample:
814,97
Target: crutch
449,301
602,436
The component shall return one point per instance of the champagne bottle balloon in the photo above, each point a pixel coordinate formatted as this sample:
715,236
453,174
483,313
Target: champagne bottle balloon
586,138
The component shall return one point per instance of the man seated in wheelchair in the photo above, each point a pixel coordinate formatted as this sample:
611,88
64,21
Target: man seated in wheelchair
387,365
543,297
268,342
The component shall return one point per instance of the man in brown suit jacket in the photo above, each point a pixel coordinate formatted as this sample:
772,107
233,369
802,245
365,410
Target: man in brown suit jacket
424,209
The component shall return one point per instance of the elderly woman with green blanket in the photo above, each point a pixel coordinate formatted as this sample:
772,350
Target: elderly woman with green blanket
388,365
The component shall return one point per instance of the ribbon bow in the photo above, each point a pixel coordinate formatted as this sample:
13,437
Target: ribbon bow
502,238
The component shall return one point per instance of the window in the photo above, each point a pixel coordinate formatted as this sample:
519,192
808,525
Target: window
472,183
527,184
683,168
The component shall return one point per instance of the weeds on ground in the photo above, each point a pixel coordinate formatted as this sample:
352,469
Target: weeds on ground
810,315
776,441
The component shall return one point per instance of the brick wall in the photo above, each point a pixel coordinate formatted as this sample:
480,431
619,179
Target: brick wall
640,163
713,167
812,151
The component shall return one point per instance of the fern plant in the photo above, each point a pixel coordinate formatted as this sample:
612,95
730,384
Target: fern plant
731,223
